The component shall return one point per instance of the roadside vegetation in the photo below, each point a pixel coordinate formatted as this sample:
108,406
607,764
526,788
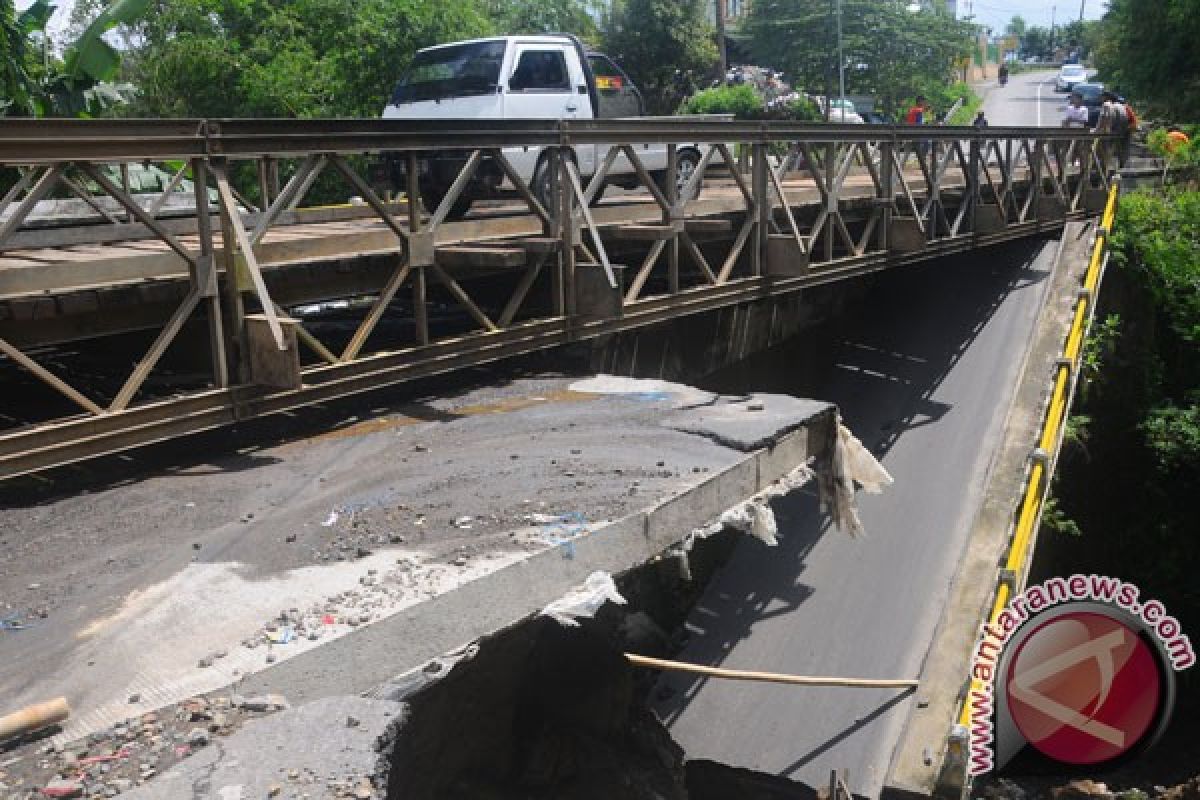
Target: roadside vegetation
1131,472
890,53
332,58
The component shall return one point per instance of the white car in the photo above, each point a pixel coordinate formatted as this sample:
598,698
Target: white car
1068,76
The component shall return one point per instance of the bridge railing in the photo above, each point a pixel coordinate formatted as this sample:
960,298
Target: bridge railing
759,208
962,754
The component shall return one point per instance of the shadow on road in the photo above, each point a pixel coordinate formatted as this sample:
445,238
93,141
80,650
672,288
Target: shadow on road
882,361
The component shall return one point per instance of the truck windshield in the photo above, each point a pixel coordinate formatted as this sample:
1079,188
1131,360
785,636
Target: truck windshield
453,71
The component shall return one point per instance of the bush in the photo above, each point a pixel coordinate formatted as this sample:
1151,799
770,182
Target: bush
741,101
744,102
1182,155
792,108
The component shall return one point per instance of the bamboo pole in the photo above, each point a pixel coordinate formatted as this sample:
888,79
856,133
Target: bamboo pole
769,677
34,718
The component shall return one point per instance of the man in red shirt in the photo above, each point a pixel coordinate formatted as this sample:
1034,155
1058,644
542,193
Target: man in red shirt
916,114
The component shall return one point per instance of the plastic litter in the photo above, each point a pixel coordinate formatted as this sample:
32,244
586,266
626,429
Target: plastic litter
563,529
331,520
851,463
585,600
282,636
13,623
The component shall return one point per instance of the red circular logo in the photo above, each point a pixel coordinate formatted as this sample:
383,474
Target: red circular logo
1083,688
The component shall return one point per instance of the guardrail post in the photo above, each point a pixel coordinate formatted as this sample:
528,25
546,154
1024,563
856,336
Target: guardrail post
886,191
204,275
1035,178
235,336
412,194
672,194
973,188
566,227
761,190
832,200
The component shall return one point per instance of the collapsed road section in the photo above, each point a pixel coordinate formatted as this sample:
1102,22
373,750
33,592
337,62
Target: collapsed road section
321,569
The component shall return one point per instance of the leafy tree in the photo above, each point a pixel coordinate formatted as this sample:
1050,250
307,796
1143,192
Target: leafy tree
1129,494
1016,26
301,58
78,85
889,51
18,89
1149,49
1037,42
544,16
666,45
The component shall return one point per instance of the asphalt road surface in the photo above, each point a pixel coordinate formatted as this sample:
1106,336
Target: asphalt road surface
924,372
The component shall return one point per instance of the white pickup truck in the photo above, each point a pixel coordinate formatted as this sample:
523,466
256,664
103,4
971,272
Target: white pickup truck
521,77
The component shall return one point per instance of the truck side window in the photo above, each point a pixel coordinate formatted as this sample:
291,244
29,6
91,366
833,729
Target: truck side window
618,97
540,70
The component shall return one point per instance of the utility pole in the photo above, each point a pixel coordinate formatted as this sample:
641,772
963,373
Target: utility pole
1053,11
841,63
1082,5
721,6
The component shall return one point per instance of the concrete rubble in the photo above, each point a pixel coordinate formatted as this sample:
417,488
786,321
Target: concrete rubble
648,462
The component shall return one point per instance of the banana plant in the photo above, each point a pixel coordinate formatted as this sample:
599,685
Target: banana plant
81,85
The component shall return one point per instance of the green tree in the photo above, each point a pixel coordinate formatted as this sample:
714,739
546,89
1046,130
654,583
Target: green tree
544,16
300,58
889,51
1016,26
1149,50
1037,42
666,45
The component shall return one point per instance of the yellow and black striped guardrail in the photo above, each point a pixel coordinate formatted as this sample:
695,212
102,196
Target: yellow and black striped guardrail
1037,485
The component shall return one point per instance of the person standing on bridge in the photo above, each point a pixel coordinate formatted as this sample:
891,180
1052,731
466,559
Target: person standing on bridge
919,113
1076,114
1114,121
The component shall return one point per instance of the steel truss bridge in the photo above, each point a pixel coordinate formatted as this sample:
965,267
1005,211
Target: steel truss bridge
287,304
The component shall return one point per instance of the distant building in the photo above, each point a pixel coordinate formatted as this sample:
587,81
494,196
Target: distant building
734,10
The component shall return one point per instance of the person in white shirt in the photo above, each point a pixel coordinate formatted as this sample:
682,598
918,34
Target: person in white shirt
1076,115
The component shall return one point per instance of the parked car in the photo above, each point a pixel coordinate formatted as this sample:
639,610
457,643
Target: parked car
521,77
1090,92
1068,76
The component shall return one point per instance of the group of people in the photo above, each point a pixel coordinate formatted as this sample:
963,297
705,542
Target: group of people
921,114
1116,117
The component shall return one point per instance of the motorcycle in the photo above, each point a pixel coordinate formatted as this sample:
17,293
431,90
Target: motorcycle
1003,80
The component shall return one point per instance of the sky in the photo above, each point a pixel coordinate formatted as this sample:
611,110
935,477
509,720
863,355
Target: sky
62,13
997,13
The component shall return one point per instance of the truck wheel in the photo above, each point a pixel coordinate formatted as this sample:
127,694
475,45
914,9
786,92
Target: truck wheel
686,164
543,186
432,196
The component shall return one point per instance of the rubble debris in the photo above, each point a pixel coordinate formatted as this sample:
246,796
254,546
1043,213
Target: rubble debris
110,762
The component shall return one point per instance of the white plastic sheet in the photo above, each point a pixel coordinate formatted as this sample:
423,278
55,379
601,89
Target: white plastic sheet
585,600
